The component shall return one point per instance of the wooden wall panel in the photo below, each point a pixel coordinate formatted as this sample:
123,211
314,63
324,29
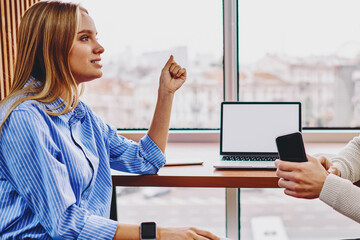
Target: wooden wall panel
10,12
4,53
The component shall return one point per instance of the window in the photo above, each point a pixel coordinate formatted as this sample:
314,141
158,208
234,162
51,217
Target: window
138,37
304,51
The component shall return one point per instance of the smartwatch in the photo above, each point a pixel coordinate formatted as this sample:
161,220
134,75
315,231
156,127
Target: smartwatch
148,231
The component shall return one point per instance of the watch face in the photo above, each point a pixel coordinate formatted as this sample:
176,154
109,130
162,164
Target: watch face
148,230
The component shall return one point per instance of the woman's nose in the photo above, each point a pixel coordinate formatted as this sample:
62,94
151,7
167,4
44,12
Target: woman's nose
99,49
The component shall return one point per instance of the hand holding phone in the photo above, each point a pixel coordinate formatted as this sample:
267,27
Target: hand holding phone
291,147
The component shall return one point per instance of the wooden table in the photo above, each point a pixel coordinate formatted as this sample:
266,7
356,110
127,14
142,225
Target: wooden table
206,176
199,176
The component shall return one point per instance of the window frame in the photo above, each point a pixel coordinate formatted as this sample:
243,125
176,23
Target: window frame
231,87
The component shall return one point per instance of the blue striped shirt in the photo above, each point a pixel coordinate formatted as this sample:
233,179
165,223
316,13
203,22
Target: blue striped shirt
55,180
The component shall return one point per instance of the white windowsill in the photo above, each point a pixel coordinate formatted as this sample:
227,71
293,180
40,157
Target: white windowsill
323,136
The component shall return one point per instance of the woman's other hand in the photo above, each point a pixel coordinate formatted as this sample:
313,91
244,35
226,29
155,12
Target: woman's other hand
172,77
185,234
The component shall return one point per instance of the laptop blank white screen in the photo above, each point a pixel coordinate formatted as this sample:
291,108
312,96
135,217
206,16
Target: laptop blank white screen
253,127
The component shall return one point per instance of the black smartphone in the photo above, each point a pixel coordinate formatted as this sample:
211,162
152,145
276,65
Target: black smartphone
291,147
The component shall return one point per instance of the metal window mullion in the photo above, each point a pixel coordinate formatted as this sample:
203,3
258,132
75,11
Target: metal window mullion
231,89
230,50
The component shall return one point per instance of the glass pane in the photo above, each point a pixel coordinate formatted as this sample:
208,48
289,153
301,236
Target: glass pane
138,37
306,51
202,208
270,214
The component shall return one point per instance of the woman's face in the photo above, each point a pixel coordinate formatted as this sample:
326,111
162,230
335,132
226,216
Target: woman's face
85,61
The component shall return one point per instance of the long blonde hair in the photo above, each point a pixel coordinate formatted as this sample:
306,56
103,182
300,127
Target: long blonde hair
46,35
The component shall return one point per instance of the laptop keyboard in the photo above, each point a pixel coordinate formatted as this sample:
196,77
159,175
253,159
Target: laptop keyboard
248,158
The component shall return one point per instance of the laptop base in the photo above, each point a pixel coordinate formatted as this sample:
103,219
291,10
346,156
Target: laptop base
244,165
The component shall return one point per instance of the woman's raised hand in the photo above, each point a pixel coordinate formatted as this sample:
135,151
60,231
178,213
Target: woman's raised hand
172,77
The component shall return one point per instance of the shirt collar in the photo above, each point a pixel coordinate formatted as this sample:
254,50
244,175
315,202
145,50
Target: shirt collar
33,81
78,113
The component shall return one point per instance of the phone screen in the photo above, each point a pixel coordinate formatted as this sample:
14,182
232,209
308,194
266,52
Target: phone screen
291,147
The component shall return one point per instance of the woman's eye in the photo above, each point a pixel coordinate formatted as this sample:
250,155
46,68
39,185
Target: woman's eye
84,38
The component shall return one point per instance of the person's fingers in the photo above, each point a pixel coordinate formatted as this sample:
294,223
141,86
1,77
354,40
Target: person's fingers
287,189
311,158
168,63
327,165
173,66
277,162
321,159
198,237
206,234
175,70
324,162
181,72
293,193
334,170
286,165
300,194
284,183
191,234
284,174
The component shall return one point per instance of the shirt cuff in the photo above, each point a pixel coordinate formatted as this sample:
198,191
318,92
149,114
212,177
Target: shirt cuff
97,227
151,152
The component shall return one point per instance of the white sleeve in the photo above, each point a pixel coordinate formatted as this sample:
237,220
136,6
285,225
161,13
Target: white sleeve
341,195
348,160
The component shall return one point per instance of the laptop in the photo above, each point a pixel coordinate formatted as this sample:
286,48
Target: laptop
248,131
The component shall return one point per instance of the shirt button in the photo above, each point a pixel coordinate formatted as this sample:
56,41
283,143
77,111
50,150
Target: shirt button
82,202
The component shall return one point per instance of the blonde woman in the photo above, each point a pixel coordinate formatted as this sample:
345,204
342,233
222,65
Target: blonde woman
55,154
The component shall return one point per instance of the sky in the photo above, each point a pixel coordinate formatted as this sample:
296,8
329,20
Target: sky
297,28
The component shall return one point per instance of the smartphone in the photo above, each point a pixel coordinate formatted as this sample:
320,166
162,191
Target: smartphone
291,147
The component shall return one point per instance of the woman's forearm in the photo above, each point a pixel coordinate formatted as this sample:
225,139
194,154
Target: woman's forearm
159,128
127,231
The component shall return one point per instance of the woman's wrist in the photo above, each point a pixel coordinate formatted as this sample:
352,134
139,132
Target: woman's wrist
159,231
165,92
